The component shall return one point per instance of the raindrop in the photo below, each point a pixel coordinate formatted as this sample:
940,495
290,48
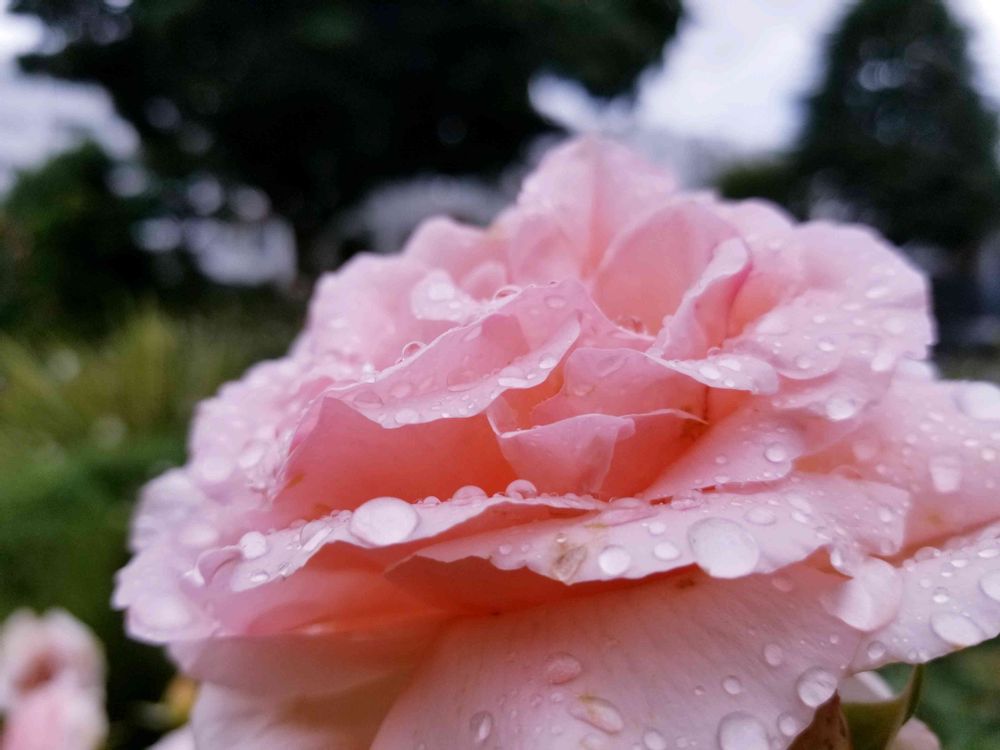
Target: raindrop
774,655
876,650
384,520
598,713
955,629
741,731
840,408
990,584
614,560
816,686
946,474
775,453
732,685
788,725
666,551
979,401
723,548
481,725
548,362
521,488
561,668
253,544
709,371
653,740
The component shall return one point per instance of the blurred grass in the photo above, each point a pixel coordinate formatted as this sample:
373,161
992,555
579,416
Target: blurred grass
82,427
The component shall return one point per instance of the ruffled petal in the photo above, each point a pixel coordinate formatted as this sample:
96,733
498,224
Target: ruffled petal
682,660
950,600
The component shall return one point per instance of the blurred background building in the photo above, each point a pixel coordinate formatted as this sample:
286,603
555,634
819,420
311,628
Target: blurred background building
175,173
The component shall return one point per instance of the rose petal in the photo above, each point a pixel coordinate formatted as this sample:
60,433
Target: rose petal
744,661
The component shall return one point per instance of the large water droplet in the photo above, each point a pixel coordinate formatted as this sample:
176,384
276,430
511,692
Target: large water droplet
253,544
384,520
946,473
839,408
816,686
955,629
742,731
788,725
666,551
776,453
723,548
614,560
732,685
521,488
876,650
561,668
653,740
598,713
481,726
990,584
774,655
761,516
979,400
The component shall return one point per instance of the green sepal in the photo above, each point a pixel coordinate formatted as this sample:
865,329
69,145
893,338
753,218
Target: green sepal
874,725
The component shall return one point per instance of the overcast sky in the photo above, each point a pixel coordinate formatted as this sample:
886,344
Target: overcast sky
736,72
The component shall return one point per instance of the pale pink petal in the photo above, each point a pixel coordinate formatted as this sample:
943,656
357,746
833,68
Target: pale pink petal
681,660
58,716
727,534
580,197
650,266
225,719
941,442
950,600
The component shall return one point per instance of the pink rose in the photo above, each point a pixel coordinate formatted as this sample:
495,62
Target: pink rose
630,468
51,684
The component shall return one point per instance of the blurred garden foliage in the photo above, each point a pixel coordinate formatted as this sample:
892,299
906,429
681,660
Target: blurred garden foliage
82,426
896,136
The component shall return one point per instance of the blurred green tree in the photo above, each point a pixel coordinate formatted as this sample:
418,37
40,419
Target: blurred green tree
316,101
895,135
66,247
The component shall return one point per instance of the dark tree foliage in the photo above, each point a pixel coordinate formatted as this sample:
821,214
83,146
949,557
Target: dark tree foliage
66,246
316,101
897,136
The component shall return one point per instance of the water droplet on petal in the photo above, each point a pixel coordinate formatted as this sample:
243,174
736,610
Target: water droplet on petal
598,713
407,416
723,548
614,560
990,584
666,551
774,655
561,668
946,474
956,630
732,685
876,650
521,488
776,453
839,408
788,725
816,686
653,740
741,731
979,400
481,725
384,520
253,544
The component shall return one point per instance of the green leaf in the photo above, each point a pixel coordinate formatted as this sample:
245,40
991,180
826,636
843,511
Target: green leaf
874,725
